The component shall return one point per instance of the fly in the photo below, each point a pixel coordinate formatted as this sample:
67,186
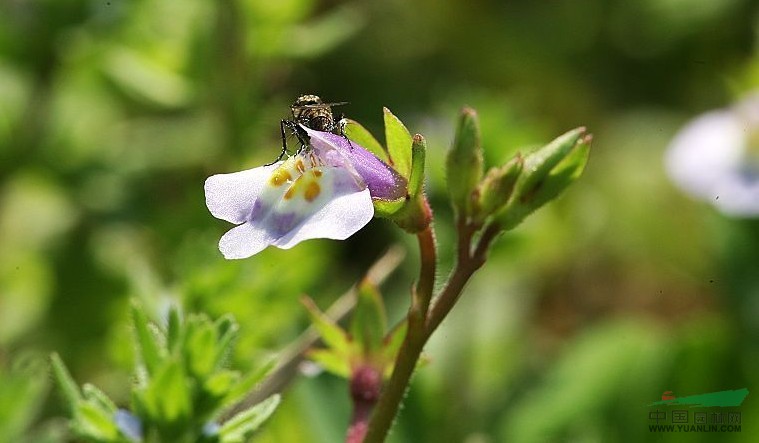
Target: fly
311,112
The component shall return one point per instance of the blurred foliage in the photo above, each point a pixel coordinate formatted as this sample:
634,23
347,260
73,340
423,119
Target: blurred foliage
112,113
183,387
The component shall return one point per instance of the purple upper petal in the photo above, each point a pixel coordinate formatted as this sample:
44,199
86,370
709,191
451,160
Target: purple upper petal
382,180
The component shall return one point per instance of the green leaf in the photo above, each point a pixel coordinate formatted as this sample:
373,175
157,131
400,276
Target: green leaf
227,330
96,396
392,344
220,383
332,335
386,208
200,347
93,422
147,340
398,141
173,331
65,382
332,362
368,321
361,136
464,163
242,425
248,381
418,154
168,396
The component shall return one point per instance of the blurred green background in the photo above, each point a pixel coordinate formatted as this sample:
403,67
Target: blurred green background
113,112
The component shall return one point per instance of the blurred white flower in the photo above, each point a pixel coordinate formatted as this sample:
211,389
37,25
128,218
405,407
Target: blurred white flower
716,158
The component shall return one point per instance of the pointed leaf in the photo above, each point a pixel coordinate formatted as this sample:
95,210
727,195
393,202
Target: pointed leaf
220,383
249,381
332,335
147,340
368,321
357,133
394,340
398,141
65,382
227,330
95,395
331,361
200,348
173,330
168,396
95,423
391,347
242,425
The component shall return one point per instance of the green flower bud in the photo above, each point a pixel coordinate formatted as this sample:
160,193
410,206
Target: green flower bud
497,187
546,173
418,154
464,163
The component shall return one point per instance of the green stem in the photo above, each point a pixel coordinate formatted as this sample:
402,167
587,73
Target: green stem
416,337
423,320
468,262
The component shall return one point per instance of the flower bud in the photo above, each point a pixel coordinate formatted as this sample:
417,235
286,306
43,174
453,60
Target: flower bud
546,173
497,187
464,163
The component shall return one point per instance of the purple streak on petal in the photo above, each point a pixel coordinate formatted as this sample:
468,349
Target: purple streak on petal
281,224
382,180
257,210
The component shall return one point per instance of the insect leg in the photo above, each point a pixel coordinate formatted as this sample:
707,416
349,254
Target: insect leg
341,124
282,124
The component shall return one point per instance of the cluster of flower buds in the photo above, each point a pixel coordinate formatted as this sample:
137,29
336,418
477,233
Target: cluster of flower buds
505,195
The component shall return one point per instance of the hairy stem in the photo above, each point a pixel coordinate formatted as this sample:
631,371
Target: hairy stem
469,261
423,320
412,345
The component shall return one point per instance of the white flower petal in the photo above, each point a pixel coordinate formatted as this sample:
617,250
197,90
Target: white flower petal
738,196
321,202
338,219
705,151
244,241
230,197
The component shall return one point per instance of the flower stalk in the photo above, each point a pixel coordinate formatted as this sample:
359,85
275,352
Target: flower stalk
337,184
484,209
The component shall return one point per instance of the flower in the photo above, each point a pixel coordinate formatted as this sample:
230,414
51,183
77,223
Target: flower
716,158
324,191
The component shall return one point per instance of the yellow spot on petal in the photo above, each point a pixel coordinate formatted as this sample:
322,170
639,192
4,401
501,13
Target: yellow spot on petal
300,166
289,194
280,177
312,191
316,172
